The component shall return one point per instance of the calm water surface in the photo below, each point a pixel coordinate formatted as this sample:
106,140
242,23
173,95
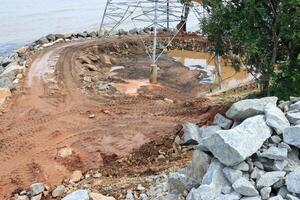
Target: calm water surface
23,21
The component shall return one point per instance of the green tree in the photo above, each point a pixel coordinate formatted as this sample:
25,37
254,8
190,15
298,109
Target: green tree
260,35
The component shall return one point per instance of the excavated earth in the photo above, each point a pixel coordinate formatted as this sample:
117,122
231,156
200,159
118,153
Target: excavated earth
72,97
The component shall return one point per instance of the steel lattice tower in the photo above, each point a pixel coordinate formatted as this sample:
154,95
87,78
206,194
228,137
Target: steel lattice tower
153,14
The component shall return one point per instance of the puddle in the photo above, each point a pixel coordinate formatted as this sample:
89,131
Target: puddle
205,63
131,87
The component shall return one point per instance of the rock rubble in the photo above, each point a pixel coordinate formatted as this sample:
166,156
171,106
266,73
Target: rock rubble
257,159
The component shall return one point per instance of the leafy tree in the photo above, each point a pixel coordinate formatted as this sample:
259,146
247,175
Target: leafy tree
260,35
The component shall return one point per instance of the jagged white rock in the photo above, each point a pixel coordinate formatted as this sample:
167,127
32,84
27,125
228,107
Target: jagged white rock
293,117
249,107
233,146
291,135
274,153
232,174
269,178
78,194
244,187
191,134
276,119
212,183
293,182
222,121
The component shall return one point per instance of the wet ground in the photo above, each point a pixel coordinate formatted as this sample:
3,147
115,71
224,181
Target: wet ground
205,62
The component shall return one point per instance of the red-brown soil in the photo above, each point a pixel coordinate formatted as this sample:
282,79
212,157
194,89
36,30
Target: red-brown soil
52,111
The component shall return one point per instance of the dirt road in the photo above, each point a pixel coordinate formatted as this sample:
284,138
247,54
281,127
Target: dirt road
38,122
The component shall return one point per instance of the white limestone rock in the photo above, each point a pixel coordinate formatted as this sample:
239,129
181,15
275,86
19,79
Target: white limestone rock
222,121
250,107
191,134
200,164
235,145
295,106
212,183
265,192
232,174
36,188
291,135
274,153
293,182
293,117
276,119
270,178
244,187
78,195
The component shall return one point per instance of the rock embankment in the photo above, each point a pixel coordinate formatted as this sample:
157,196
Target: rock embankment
255,155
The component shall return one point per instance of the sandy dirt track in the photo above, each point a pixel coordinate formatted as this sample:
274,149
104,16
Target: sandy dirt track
36,124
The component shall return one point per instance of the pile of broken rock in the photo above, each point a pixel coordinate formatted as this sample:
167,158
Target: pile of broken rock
252,154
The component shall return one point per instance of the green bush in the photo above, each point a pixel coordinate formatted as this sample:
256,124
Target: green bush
286,83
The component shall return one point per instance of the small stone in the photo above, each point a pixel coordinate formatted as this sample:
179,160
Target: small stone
227,189
161,157
294,99
129,195
98,196
140,187
276,119
58,191
21,197
285,145
295,106
143,196
293,182
180,182
191,134
265,192
200,164
244,187
91,67
278,197
243,166
76,176
36,188
64,152
279,165
259,165
231,196
212,183
293,117
19,76
92,116
274,153
97,175
251,198
283,192
257,173
275,139
37,197
78,195
222,121
269,178
291,136
232,174
291,197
